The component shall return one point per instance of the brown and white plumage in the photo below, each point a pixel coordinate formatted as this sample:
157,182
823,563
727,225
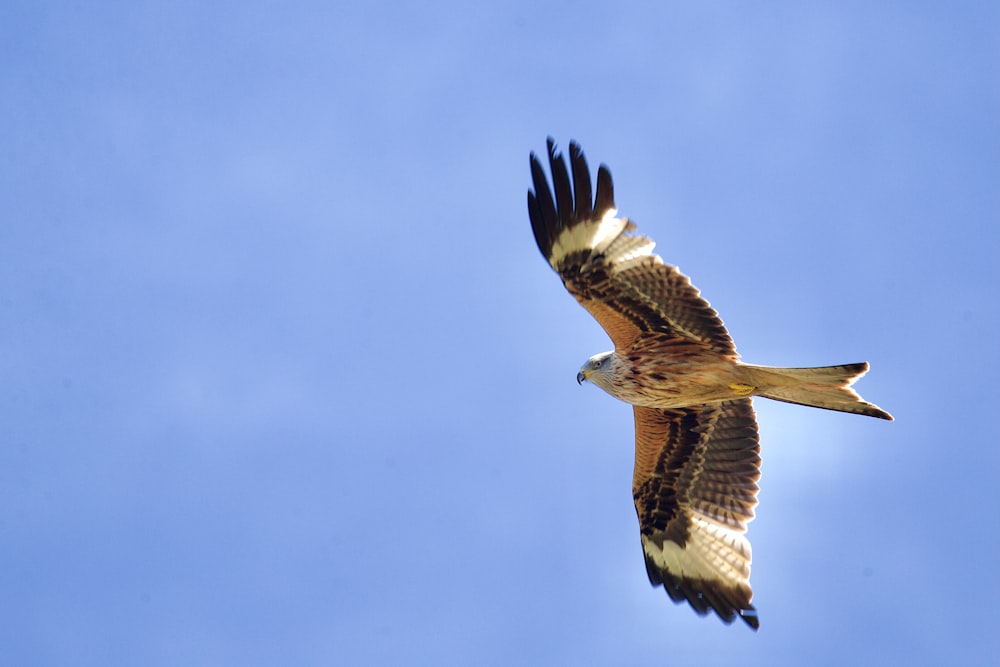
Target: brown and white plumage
696,446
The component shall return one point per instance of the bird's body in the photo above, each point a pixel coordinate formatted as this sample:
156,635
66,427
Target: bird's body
696,444
659,371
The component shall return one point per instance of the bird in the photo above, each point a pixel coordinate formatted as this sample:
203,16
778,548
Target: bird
697,445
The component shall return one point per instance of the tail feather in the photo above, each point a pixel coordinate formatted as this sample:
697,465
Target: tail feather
827,387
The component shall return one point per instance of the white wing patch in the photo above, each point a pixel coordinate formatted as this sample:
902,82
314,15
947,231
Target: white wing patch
713,553
627,250
595,235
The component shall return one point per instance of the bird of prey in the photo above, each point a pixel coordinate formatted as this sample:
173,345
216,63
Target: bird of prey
697,453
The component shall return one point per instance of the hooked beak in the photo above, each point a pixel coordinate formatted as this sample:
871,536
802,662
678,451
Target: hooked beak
580,377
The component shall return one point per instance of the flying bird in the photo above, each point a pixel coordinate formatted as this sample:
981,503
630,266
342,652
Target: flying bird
697,452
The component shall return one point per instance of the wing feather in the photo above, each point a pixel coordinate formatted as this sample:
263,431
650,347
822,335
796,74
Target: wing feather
611,271
695,489
581,183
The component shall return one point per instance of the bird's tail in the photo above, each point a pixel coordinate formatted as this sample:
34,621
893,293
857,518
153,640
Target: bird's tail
827,387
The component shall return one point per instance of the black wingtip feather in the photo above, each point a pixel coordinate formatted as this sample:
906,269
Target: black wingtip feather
538,225
749,617
561,185
605,191
573,199
581,182
702,599
542,209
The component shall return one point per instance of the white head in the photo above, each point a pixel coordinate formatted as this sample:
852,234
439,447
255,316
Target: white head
596,369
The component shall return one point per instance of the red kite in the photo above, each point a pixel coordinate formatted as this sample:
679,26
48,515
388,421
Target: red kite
696,446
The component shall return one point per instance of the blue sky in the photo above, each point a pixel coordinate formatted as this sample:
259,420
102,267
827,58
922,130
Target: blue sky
286,381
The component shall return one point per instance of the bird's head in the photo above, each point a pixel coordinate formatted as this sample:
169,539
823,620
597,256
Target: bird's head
595,367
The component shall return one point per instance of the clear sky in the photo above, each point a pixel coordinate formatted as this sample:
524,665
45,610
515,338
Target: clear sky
286,381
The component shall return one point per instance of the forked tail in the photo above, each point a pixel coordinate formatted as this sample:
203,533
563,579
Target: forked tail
827,387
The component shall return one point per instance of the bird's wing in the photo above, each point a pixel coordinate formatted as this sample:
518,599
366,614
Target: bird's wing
612,272
695,489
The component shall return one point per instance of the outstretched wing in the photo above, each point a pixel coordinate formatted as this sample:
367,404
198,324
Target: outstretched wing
695,489
613,273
